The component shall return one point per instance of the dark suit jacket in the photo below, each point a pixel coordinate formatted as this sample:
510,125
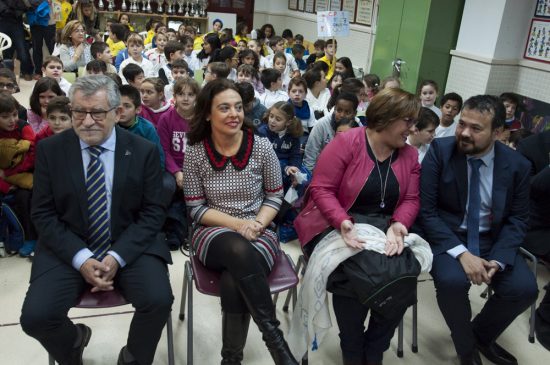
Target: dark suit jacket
59,204
537,150
444,192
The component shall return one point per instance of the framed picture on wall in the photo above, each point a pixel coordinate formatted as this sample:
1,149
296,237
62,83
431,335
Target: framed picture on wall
537,47
335,5
293,4
349,6
309,6
364,12
321,5
543,9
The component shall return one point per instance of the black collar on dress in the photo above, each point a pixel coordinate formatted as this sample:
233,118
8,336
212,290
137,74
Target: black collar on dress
239,161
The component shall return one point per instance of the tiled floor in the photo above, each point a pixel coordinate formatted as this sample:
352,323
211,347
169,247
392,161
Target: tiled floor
110,326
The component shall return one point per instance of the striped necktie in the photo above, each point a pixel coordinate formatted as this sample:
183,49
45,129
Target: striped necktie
98,228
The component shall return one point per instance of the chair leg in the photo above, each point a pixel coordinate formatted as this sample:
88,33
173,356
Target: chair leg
292,293
170,336
534,263
400,339
186,268
189,275
414,347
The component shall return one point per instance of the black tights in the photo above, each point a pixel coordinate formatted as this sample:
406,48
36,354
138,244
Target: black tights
236,258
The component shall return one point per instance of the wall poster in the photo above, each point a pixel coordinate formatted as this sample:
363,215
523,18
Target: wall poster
349,6
537,47
543,9
293,4
364,12
335,5
321,5
309,6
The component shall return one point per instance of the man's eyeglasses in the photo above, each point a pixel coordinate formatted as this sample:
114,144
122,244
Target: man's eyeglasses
9,86
97,115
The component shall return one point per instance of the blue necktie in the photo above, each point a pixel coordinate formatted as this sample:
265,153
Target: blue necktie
474,204
98,228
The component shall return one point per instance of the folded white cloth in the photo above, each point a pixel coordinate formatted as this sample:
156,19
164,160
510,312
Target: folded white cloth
311,318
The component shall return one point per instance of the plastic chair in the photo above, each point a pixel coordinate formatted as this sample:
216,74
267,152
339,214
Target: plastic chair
69,76
5,43
109,299
488,292
301,269
282,277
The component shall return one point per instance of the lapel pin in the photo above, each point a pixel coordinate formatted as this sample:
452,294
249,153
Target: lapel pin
127,153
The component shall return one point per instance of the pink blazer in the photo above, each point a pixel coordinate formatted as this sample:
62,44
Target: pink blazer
341,172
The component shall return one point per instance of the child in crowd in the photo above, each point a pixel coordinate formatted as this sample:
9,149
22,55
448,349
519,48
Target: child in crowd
511,102
160,28
228,55
249,57
101,51
352,86
117,80
389,82
345,110
66,9
255,46
297,90
242,45
345,67
284,130
335,81
190,31
86,13
271,79
210,48
288,38
17,141
372,86
133,75
424,132
135,49
172,35
8,84
157,55
150,29
117,35
124,19
226,38
241,32
278,45
130,103
330,57
123,54
451,104
299,41
96,67
247,73
58,116
189,55
253,109
298,52
319,46
216,70
172,51
180,70
44,90
53,67
318,94
280,64
173,128
427,92
152,100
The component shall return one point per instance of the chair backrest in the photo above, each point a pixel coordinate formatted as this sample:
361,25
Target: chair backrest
101,299
69,76
282,276
5,43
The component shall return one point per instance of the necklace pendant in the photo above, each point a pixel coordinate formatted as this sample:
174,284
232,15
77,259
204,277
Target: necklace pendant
382,205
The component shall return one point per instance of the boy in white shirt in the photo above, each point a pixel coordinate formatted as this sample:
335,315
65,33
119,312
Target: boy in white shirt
135,49
451,104
173,51
189,55
271,79
180,69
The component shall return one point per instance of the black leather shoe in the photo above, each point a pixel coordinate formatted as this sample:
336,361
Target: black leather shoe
123,361
84,333
472,359
542,330
495,353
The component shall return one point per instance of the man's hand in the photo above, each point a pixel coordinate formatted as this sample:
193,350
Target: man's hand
349,234
475,268
492,268
396,236
111,268
93,271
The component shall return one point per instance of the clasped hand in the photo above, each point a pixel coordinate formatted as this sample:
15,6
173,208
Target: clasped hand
100,274
477,269
250,229
395,237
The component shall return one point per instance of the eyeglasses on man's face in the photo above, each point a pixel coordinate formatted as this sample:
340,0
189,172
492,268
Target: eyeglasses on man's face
97,115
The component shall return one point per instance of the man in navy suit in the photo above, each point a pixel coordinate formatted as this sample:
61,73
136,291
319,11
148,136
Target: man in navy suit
474,212
97,206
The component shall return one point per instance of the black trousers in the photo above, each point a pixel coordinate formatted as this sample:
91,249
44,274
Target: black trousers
41,35
515,289
144,283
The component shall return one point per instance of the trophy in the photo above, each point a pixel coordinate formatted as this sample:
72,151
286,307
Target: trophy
187,8
159,8
148,8
169,8
192,9
111,6
180,3
100,5
123,7
133,6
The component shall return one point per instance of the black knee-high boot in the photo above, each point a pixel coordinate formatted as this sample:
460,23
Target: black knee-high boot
255,292
234,331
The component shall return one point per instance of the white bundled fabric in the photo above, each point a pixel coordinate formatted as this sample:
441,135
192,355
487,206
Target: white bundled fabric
311,318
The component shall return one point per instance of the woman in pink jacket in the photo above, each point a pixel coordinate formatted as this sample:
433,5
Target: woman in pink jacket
366,175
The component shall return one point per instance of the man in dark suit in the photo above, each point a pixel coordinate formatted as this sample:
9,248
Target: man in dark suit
474,212
97,208
537,149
